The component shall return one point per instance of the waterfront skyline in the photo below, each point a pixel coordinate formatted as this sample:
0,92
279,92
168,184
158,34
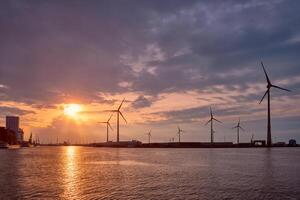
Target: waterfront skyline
62,64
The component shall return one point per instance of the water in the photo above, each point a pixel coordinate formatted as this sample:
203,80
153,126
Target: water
109,173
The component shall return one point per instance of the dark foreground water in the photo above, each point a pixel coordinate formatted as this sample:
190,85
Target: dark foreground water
106,173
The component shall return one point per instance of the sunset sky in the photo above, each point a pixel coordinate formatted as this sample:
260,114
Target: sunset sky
171,60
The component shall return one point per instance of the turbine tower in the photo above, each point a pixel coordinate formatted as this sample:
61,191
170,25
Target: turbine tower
107,126
30,138
211,125
149,136
179,133
238,127
252,137
269,86
118,118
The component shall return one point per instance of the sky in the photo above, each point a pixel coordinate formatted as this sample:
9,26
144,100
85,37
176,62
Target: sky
170,59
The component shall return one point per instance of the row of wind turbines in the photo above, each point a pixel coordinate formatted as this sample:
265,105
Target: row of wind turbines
211,120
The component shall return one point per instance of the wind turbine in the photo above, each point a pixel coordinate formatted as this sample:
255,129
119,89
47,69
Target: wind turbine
211,126
118,118
107,126
252,137
269,86
149,136
179,133
238,127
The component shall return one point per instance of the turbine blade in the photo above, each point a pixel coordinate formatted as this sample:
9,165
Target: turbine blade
109,118
217,120
275,86
234,127
207,122
264,96
110,110
110,126
123,117
210,111
242,128
262,64
121,104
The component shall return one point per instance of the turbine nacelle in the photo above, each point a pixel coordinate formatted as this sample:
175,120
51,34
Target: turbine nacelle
269,84
238,126
107,122
179,130
149,133
118,111
212,118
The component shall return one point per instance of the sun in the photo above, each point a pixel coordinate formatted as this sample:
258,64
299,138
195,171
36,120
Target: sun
72,110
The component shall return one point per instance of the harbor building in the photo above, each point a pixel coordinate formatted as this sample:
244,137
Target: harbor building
13,124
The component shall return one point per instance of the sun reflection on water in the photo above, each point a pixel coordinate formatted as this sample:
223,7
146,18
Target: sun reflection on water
70,178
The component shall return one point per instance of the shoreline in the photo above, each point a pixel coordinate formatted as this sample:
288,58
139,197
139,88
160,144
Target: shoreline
173,145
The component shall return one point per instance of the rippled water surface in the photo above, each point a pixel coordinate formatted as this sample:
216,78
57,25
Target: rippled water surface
111,173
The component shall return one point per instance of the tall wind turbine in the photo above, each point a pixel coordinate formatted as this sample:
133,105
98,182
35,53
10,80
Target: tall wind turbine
118,118
238,127
107,126
149,136
211,125
269,86
179,133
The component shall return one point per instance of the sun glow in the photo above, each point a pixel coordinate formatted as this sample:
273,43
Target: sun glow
72,110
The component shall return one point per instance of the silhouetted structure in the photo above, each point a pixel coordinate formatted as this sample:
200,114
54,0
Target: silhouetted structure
211,126
13,123
179,133
269,86
8,136
149,136
30,138
118,120
238,127
252,137
107,126
292,143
